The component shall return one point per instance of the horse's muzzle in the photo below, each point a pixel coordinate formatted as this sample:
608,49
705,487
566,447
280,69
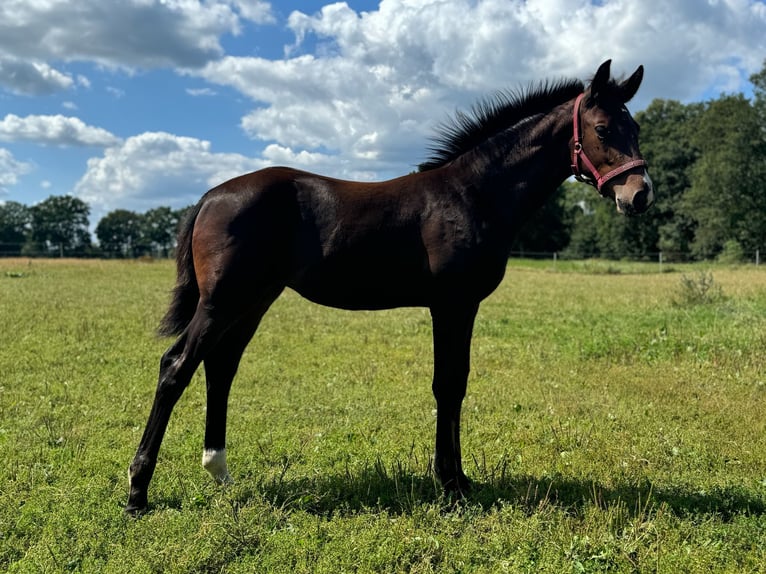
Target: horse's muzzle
632,199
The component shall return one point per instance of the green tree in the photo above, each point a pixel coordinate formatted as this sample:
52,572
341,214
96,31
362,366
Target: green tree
597,231
159,229
759,91
727,198
60,225
667,143
119,233
15,219
580,204
548,230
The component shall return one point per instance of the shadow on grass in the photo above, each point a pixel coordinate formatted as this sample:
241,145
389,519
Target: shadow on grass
402,492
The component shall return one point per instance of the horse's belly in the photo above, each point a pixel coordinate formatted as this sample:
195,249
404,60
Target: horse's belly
364,289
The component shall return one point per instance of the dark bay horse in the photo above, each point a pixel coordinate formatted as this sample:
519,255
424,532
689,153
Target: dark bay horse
438,238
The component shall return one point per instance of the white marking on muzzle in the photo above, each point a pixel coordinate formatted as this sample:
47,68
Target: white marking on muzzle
650,185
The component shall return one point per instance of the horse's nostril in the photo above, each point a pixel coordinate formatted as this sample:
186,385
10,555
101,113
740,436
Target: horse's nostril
641,200
625,207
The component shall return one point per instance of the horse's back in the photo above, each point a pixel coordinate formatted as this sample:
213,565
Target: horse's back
345,244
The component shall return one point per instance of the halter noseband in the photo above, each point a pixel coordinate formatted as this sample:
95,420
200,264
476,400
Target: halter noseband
578,154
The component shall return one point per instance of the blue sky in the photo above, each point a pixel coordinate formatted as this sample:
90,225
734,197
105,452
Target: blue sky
138,103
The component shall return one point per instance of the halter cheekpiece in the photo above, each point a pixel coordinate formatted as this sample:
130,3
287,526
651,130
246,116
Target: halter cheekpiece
578,154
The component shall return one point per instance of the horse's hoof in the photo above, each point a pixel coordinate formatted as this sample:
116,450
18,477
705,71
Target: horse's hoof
460,485
135,511
137,505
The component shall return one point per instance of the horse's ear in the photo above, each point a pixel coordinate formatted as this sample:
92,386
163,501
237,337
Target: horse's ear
630,86
601,79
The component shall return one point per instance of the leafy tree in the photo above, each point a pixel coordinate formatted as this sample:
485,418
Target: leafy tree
667,143
580,202
119,232
547,231
159,229
60,223
727,198
597,231
15,219
759,90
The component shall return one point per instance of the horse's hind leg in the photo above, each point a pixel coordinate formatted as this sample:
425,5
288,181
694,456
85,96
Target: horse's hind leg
176,369
220,367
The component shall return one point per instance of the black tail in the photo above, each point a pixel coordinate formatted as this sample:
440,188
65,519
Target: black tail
186,292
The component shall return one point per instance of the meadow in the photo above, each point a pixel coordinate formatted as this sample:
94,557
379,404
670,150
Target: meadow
614,422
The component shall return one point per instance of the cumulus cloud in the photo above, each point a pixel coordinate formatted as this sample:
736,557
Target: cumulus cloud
11,170
357,93
373,116
32,77
255,10
54,130
127,34
376,83
157,168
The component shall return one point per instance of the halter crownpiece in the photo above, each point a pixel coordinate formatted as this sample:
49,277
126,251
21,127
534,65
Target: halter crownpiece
578,154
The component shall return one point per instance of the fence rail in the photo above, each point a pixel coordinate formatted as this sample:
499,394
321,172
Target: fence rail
85,252
659,257
93,252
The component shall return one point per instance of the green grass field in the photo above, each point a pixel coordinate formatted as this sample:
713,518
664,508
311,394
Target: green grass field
614,423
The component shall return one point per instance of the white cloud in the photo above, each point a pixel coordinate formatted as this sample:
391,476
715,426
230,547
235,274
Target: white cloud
317,162
11,170
127,34
157,168
357,93
200,92
371,115
131,33
479,46
31,77
54,130
255,10
377,82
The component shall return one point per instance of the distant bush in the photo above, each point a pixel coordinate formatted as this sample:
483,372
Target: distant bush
699,289
732,253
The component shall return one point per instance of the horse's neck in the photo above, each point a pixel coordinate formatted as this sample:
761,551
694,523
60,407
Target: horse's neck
519,170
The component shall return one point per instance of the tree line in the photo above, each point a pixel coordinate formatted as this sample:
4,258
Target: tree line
707,161
59,226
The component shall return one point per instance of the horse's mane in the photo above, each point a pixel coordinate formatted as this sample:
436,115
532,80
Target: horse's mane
490,116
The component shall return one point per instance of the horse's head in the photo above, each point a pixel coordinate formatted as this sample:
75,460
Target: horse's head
605,150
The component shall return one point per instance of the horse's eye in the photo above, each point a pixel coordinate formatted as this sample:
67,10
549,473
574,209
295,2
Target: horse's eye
602,132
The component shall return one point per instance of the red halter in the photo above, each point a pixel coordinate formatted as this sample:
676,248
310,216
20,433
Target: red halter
578,154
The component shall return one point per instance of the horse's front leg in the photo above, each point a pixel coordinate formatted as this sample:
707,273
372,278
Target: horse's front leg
452,330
